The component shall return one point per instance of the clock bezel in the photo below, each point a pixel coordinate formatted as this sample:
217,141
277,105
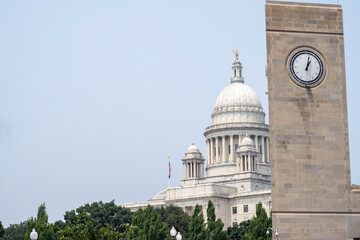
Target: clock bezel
289,66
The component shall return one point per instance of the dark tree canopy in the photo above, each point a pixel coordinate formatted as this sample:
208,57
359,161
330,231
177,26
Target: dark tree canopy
238,231
258,225
214,228
147,225
107,221
87,230
2,230
211,217
175,217
197,229
41,225
101,214
15,231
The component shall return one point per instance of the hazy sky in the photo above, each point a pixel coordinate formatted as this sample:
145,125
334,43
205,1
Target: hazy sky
94,95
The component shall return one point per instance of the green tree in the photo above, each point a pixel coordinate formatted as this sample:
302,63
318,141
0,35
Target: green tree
15,231
238,231
101,214
87,230
219,233
147,225
196,226
2,230
58,226
214,228
258,225
211,217
175,216
41,225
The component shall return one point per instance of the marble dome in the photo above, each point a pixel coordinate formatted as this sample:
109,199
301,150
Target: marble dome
247,144
193,148
238,103
247,141
193,152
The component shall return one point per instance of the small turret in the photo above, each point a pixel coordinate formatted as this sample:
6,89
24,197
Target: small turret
193,163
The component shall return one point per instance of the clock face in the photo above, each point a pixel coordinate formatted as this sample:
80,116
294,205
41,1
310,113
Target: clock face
306,67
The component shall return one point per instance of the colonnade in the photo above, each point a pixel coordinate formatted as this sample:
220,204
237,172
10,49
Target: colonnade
193,169
247,163
222,149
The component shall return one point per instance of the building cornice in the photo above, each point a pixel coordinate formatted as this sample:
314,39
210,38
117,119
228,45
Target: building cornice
235,126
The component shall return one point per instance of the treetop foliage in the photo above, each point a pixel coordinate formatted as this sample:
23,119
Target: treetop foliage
197,226
175,217
101,214
106,221
258,225
148,226
2,230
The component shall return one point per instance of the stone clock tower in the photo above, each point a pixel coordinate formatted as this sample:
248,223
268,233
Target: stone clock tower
312,196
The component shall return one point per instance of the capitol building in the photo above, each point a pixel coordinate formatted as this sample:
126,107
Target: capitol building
236,173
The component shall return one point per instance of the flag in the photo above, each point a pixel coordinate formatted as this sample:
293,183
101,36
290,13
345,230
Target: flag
169,167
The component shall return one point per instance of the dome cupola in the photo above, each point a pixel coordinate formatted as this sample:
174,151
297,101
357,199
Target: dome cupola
247,145
238,102
193,163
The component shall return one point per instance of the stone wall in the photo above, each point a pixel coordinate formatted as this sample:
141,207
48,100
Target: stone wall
309,148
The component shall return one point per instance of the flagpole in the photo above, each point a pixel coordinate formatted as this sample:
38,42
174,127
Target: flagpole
169,172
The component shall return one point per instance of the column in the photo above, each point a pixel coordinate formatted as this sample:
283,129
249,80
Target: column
256,143
267,150
263,149
244,163
184,173
223,150
216,150
202,171
232,153
211,152
247,162
187,170
239,163
197,170
192,169
208,151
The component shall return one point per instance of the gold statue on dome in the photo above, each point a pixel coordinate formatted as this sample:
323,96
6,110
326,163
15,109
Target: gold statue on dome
236,55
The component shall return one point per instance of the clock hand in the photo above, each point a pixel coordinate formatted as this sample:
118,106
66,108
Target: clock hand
308,63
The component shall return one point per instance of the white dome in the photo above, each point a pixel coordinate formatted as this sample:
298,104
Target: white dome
246,141
193,148
238,103
193,152
237,94
246,145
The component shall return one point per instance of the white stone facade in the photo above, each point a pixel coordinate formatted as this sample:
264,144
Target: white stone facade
238,165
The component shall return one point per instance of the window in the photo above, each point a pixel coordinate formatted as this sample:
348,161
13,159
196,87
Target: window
229,148
219,151
246,208
236,147
234,210
234,224
234,73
